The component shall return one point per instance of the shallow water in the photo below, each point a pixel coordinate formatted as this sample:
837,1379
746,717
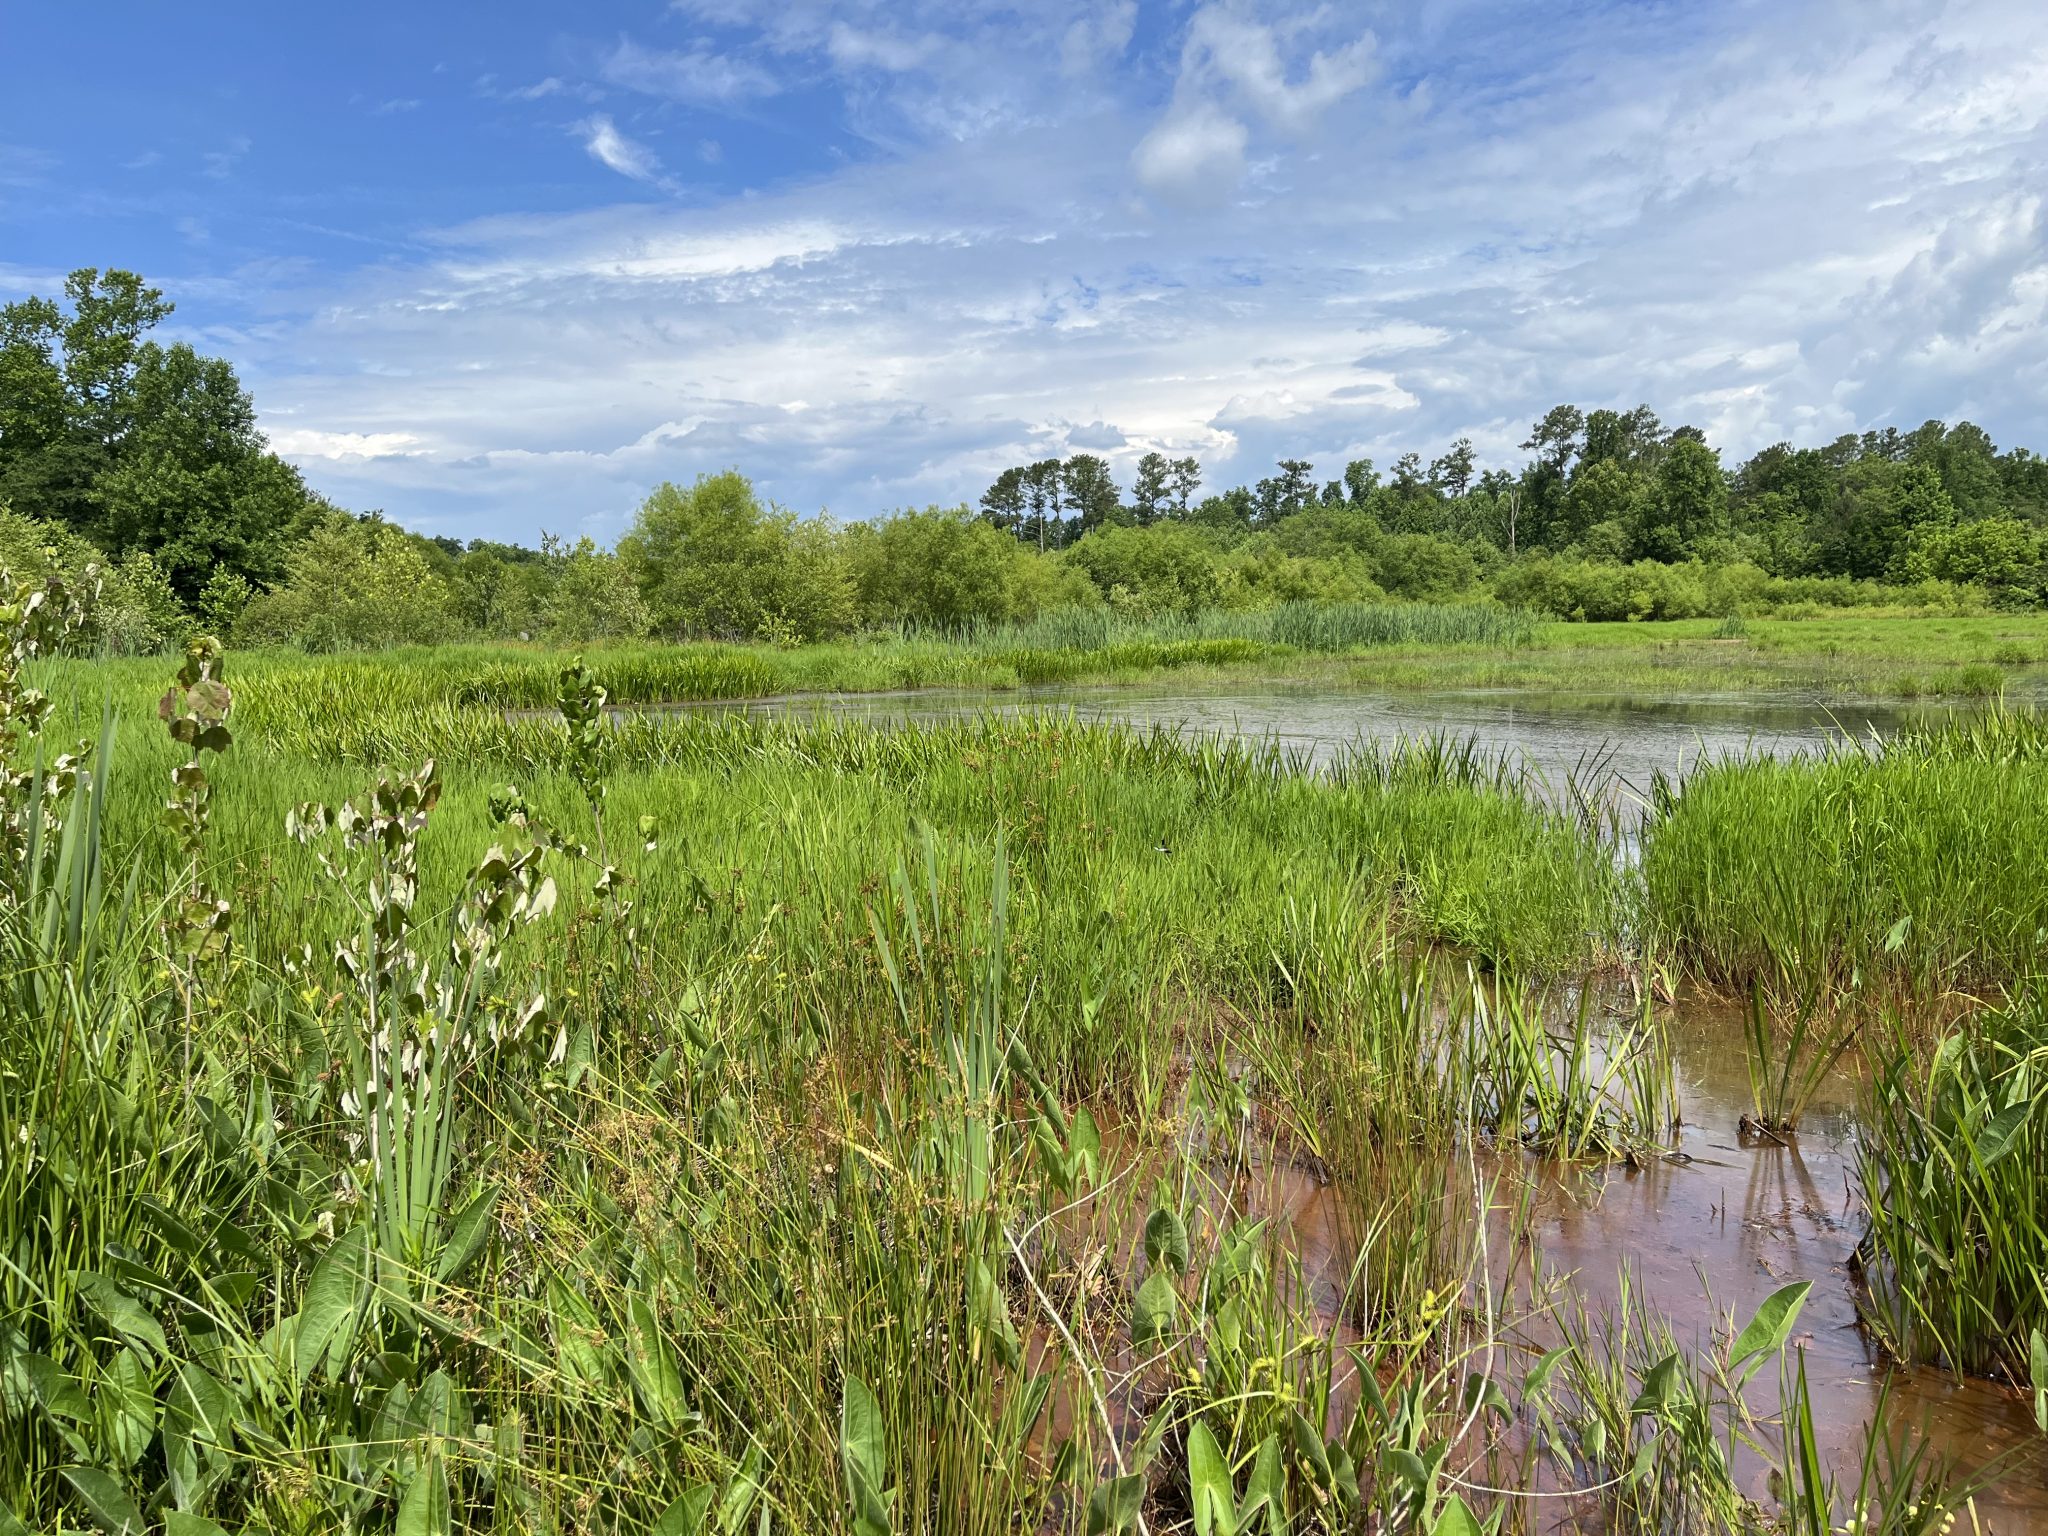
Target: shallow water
1630,737
1704,1237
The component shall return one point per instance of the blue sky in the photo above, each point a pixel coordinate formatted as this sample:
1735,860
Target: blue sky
499,269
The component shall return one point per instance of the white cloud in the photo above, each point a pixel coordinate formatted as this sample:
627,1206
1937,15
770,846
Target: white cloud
1194,154
1098,38
310,443
1260,236
874,48
220,163
697,74
607,145
1226,48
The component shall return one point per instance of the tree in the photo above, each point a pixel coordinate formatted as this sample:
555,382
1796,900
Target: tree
2001,554
135,445
1688,502
353,584
939,567
1632,439
593,595
1151,492
1881,504
714,560
1604,491
1965,460
1184,478
1002,504
1041,487
1452,474
1162,569
1555,439
1361,480
1292,490
1089,492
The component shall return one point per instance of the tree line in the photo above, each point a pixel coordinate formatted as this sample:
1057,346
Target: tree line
145,460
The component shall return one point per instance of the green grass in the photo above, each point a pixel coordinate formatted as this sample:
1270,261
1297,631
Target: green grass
1917,869
792,1126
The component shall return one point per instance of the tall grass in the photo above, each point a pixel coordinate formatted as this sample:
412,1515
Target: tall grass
852,1130
1912,867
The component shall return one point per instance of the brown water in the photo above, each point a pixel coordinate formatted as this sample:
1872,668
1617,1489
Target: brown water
1703,1236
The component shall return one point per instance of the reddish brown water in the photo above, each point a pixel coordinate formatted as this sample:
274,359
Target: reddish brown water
1702,1237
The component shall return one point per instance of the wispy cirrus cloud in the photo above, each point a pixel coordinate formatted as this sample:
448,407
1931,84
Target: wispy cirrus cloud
698,74
609,147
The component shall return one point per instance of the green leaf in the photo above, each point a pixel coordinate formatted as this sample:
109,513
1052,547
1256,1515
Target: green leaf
2037,1355
334,1294
1153,1310
864,1452
179,1523
1210,1493
1084,1146
124,1314
424,1510
2001,1132
1115,1503
1455,1519
1660,1386
685,1517
106,1501
1166,1240
1262,1489
655,1371
128,1406
1538,1379
989,1310
1309,1449
1765,1334
468,1237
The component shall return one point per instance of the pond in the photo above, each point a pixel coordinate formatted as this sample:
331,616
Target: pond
1627,738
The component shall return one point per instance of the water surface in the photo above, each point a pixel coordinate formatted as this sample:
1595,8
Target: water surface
1626,736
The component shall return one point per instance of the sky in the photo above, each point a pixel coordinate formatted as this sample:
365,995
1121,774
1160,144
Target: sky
502,269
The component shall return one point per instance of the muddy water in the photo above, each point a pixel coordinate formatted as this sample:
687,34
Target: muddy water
1703,1235
1556,735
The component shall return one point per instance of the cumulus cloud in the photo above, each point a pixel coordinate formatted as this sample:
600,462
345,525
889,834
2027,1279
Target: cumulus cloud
1194,154
1260,236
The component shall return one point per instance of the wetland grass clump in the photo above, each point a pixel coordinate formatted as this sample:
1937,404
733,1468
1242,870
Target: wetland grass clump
1907,867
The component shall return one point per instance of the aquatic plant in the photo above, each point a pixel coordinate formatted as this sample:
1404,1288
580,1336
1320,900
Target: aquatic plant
1953,1162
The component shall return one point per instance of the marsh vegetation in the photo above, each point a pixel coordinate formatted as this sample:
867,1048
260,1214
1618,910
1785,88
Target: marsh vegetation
435,1100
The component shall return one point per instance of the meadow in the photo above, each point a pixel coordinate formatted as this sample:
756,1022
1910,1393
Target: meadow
434,1101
